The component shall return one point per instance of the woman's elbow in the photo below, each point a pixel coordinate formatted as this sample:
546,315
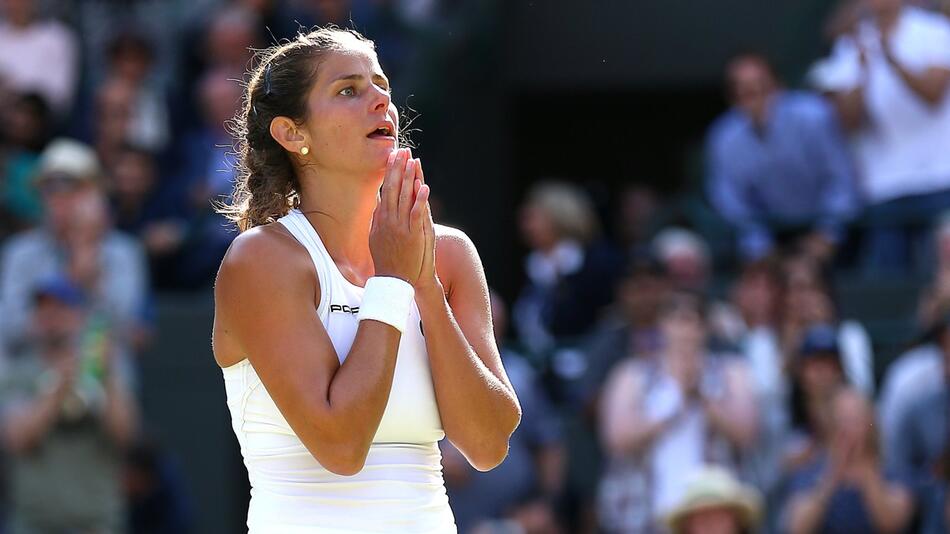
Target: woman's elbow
489,456
343,463
344,457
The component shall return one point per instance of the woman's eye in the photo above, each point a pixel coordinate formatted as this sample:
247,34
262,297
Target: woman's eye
348,91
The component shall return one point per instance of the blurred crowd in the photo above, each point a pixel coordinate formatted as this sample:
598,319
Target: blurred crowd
669,383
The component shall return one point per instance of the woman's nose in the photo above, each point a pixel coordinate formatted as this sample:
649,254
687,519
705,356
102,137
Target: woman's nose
381,99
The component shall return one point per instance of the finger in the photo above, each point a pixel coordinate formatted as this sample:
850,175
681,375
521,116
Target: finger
428,215
417,216
385,191
390,191
405,188
429,228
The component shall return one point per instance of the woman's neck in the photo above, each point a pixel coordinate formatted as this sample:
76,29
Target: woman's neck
341,207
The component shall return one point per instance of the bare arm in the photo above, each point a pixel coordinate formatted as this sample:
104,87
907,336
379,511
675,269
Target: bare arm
623,428
929,85
264,306
120,417
27,424
850,107
807,509
735,415
890,506
477,403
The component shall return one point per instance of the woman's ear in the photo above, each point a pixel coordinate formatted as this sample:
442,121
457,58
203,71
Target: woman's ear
286,132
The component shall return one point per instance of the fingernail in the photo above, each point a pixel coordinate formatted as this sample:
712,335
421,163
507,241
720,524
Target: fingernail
392,156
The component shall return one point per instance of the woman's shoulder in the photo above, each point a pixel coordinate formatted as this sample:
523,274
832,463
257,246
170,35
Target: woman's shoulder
454,248
268,250
451,237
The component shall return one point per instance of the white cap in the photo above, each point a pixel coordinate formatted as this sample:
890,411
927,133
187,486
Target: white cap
69,158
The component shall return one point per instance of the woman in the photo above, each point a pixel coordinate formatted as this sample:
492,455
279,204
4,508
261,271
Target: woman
808,302
715,502
845,489
665,416
570,271
343,435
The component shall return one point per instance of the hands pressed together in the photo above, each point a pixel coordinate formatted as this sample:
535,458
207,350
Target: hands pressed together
402,236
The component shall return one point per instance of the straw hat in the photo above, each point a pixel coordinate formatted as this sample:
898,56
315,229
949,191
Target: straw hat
715,487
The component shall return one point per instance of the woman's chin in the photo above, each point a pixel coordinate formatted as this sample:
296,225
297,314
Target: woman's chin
379,155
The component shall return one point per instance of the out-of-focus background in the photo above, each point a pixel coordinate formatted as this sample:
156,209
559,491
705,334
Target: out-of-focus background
718,234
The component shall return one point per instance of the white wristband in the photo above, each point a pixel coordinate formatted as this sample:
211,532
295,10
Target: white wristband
387,300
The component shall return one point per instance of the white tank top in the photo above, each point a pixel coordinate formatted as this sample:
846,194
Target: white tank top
399,490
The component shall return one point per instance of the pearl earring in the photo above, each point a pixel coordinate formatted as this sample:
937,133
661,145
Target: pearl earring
305,150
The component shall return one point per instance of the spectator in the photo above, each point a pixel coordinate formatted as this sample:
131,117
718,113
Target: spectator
778,164
206,175
685,256
715,503
570,273
665,417
75,238
918,446
230,35
818,376
207,171
147,211
918,372
890,78
26,127
131,60
846,489
36,55
631,330
686,260
527,486
757,296
218,40
115,107
636,218
67,414
808,302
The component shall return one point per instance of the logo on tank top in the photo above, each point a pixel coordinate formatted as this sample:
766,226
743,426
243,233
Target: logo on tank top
344,308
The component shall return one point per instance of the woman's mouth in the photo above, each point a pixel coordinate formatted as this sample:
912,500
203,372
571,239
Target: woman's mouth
383,133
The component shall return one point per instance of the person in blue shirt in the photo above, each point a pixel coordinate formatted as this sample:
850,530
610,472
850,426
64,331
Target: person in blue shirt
778,164
845,489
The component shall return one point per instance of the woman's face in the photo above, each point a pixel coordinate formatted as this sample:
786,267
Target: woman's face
820,376
757,297
347,107
640,296
684,330
537,228
721,520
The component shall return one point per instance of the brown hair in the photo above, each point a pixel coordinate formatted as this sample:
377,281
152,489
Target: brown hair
267,186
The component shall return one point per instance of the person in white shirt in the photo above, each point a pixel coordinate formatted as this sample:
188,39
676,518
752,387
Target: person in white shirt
890,78
337,270
37,55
